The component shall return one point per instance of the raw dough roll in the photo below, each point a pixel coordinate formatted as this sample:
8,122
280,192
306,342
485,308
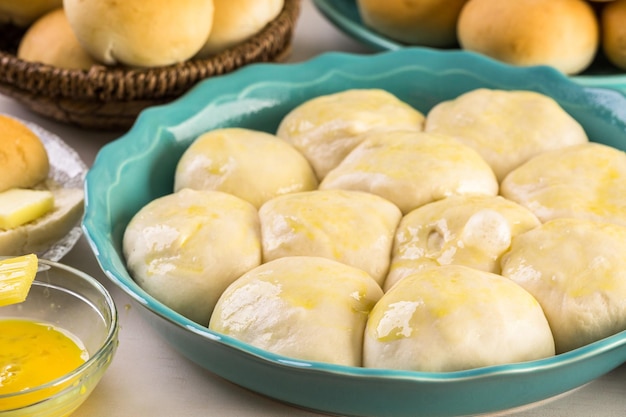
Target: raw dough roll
460,230
352,227
585,181
326,128
506,127
252,165
411,168
185,248
453,318
303,307
576,269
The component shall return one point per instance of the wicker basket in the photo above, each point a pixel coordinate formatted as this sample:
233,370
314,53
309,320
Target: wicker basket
111,97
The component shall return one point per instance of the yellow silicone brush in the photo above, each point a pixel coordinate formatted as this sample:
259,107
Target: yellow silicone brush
16,277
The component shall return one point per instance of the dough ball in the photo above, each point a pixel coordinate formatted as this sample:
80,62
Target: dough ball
576,269
453,318
303,307
352,227
50,40
411,168
460,230
234,21
185,248
613,16
326,128
140,33
24,12
23,158
584,181
506,127
561,33
252,165
417,22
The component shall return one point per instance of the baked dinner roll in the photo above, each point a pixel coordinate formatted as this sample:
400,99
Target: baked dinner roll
453,318
352,227
613,16
460,230
234,21
185,248
326,128
140,33
24,12
303,307
506,127
584,181
50,40
250,164
411,168
561,33
23,158
576,269
41,233
417,22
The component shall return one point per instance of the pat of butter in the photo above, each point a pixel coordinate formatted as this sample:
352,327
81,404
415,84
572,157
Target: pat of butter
19,206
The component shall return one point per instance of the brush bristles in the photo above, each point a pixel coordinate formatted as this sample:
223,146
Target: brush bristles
16,277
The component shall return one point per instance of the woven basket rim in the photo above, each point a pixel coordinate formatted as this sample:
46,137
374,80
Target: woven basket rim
101,83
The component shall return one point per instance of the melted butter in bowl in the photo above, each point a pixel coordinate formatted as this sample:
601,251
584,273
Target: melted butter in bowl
34,353
56,345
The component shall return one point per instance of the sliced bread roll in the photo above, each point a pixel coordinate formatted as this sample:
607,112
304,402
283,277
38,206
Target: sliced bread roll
40,234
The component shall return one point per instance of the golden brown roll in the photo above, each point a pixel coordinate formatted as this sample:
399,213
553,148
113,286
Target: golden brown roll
417,22
25,12
613,23
232,26
23,158
142,33
561,33
50,40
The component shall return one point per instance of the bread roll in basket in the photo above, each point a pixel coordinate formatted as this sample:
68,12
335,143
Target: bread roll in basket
112,97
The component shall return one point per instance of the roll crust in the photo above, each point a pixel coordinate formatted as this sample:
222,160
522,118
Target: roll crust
23,157
561,33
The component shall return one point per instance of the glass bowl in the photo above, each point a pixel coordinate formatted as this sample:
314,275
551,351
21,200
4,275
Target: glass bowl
73,301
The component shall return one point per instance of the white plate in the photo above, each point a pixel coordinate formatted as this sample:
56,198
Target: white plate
68,170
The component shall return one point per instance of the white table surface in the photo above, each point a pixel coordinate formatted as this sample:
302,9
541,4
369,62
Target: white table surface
148,378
